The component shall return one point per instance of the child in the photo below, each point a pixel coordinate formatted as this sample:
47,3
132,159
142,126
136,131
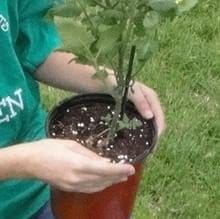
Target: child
27,44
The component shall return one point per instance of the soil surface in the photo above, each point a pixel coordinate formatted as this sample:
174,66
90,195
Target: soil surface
84,123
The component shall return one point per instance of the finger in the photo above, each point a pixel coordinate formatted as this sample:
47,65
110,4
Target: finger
94,179
96,185
109,169
155,106
141,102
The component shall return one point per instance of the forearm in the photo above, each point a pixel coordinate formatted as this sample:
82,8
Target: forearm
13,162
58,72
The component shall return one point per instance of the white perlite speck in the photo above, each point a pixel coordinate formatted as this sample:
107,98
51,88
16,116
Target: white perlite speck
99,141
84,108
121,156
68,110
74,132
80,124
92,119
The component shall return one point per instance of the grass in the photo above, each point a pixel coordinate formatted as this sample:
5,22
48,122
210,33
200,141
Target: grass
182,179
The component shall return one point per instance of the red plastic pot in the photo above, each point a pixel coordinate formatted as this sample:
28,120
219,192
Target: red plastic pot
115,202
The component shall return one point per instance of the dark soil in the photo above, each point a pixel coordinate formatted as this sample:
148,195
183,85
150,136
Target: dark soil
84,124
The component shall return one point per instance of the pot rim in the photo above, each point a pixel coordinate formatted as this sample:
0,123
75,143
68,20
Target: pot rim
102,97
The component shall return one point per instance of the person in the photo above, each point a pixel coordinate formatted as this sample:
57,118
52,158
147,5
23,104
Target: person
29,162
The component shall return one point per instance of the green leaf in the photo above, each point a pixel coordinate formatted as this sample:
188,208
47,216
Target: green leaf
101,74
139,29
127,123
146,48
185,5
107,118
75,36
123,124
114,14
162,5
110,17
108,39
68,10
135,123
91,3
151,20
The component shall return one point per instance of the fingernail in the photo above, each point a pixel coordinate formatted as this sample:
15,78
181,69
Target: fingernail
131,172
148,114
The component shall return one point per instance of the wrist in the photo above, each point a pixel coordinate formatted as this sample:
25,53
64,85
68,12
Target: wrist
14,161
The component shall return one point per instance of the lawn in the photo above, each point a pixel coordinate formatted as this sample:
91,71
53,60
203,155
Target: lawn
182,179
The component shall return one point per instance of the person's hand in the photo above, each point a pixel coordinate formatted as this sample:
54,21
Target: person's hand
148,104
71,167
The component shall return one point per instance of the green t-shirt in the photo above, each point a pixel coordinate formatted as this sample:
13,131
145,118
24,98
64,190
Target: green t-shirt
25,42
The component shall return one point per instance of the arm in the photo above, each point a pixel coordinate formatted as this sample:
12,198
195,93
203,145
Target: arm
56,72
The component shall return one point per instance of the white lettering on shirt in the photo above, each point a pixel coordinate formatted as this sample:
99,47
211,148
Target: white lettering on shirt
10,105
3,118
4,25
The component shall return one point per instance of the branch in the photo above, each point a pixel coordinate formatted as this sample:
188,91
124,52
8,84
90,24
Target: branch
100,4
87,16
108,3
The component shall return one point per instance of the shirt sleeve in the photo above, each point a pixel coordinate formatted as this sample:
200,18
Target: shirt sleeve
37,37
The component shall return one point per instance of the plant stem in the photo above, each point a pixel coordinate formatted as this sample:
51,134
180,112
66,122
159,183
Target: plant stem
108,3
114,122
121,57
87,17
100,4
127,81
123,79
119,93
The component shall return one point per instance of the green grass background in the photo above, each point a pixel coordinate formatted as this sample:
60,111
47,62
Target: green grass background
182,179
